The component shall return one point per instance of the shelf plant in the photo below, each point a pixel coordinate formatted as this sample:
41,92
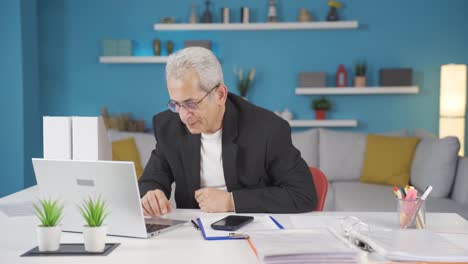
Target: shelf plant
244,82
321,106
360,74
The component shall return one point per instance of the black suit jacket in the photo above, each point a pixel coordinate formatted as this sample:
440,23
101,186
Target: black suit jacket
262,169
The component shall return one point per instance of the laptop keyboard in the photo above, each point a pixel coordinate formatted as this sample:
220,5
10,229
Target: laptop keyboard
150,228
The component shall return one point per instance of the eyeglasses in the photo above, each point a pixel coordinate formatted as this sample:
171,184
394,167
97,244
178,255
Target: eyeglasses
189,106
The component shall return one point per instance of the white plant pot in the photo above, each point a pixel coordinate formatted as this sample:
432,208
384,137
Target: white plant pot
48,238
95,238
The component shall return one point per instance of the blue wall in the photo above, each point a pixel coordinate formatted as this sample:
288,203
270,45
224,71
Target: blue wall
11,98
20,113
419,34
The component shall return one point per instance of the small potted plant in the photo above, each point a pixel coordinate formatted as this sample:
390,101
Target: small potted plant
244,84
333,12
49,213
321,106
94,212
360,75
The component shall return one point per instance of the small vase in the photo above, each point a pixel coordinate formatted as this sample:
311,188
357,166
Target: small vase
169,47
333,14
320,114
207,17
48,238
157,47
193,16
95,238
360,81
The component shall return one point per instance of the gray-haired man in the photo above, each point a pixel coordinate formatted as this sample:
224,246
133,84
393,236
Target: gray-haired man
224,153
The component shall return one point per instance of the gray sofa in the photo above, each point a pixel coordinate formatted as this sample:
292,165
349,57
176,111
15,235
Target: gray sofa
340,156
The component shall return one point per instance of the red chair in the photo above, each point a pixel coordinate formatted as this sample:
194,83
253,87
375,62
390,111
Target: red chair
321,187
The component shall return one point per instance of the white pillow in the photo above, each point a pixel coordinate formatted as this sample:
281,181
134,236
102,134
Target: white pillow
435,163
307,143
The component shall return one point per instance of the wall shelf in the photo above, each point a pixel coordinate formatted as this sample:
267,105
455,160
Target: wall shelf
261,26
133,59
358,90
323,123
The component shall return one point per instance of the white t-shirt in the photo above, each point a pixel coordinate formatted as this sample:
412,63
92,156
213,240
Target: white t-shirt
211,161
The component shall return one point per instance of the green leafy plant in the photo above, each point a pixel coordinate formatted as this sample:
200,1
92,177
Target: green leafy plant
49,212
243,84
94,211
360,69
321,104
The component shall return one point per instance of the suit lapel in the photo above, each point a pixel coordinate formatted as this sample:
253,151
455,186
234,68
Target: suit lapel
229,146
191,160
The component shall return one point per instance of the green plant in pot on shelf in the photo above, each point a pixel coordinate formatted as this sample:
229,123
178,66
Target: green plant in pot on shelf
49,212
360,75
244,81
94,211
321,106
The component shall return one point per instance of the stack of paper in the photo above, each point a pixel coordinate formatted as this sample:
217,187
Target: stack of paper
413,245
319,245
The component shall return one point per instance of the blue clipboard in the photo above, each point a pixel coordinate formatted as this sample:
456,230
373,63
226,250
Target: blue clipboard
202,229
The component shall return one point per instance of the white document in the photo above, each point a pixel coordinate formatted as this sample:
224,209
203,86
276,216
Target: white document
90,141
319,221
320,245
413,245
259,223
57,137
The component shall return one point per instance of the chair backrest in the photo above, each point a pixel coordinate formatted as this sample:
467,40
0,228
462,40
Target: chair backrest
321,187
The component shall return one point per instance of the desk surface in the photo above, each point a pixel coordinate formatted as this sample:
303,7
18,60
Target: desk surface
184,244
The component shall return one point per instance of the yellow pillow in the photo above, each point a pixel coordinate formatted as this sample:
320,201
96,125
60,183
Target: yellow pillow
388,160
126,150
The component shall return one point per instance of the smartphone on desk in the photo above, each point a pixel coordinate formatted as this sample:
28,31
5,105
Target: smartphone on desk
232,222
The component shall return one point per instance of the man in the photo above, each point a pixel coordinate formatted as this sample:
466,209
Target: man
224,153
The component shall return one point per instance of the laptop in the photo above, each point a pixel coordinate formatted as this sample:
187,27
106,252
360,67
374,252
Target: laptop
73,181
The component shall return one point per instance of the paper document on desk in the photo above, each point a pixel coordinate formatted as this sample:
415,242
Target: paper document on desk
319,221
320,245
259,223
17,209
413,245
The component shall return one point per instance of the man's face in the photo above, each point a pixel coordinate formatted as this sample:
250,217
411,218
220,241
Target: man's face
205,117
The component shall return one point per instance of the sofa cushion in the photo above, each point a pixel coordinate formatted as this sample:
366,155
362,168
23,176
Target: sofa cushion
145,142
435,163
307,143
126,150
361,197
446,205
460,189
388,160
342,153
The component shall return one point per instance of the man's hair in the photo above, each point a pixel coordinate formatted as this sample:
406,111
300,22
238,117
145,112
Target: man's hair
199,60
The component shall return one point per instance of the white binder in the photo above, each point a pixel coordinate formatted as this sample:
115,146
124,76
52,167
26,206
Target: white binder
57,137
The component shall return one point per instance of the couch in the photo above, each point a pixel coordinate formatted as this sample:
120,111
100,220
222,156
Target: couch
340,156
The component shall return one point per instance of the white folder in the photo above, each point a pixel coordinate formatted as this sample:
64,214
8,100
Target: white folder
90,141
57,137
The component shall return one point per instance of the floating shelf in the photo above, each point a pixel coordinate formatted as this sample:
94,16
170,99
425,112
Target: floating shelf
133,59
358,90
323,123
260,26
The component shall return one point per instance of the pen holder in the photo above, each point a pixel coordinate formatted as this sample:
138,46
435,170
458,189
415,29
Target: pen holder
412,213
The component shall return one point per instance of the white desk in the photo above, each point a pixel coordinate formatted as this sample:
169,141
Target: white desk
184,244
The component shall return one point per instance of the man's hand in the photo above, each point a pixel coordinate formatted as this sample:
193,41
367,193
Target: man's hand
212,200
155,203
